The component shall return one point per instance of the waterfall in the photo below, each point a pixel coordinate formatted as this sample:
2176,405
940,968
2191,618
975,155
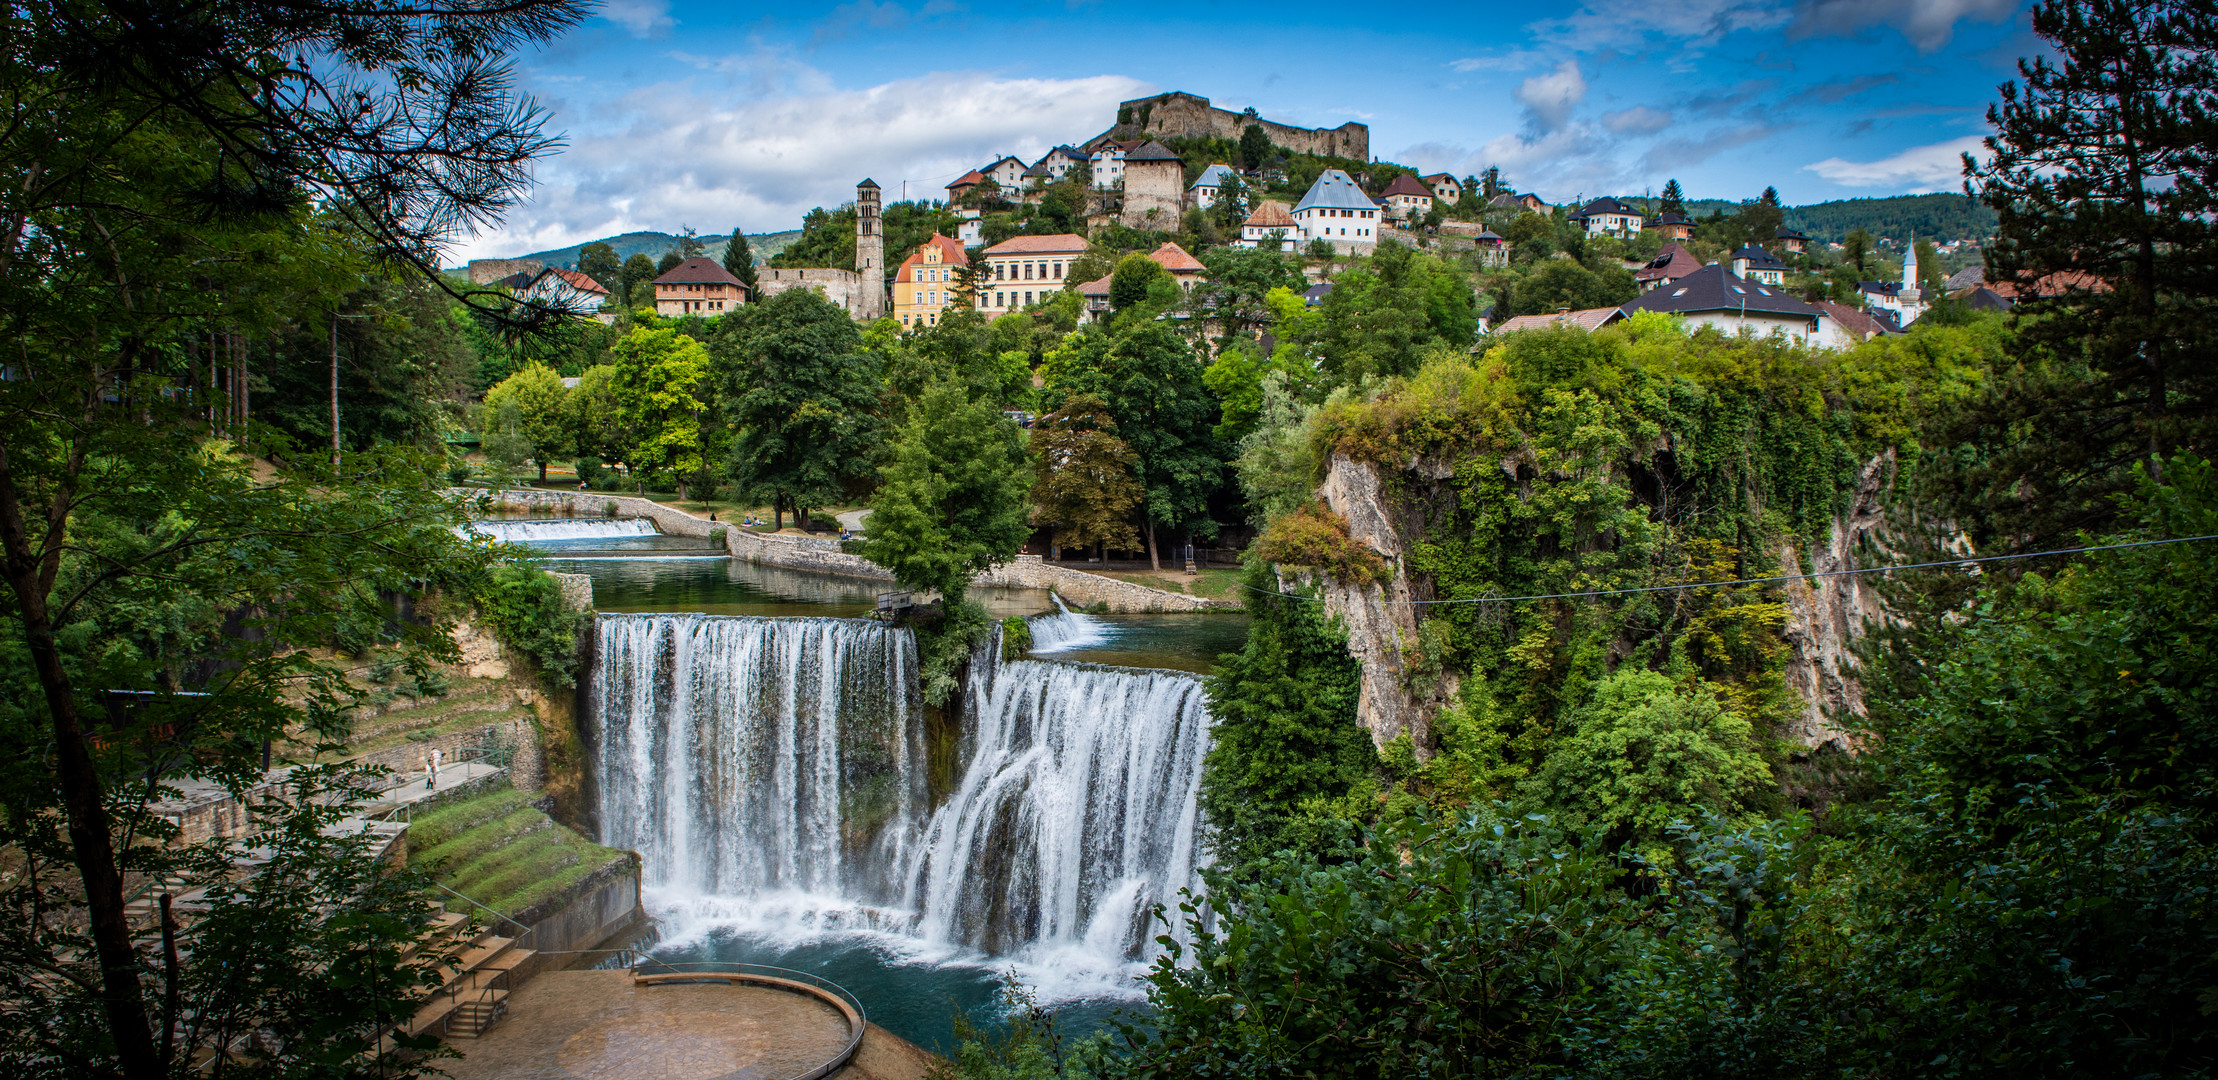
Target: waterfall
775,769
526,532
1077,809
754,755
1066,630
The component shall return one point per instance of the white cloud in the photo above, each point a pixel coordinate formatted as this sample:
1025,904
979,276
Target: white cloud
644,18
1638,120
1929,24
1936,167
1512,60
1636,25
1550,98
676,153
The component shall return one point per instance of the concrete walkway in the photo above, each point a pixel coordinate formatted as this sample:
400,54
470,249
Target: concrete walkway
596,1025
853,519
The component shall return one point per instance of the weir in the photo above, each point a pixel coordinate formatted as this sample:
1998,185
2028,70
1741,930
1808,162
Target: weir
779,769
525,532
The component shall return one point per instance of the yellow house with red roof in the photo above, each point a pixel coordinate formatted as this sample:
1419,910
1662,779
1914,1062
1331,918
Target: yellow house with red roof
924,286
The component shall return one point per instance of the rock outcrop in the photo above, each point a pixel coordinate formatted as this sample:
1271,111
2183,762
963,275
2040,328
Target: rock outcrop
1826,616
1382,621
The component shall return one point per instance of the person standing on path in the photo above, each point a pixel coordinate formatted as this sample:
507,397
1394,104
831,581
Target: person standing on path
431,775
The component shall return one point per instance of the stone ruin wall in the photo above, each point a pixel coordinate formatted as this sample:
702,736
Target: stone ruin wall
1181,115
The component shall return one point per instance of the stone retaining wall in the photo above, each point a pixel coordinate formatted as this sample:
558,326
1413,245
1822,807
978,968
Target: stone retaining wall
603,906
822,555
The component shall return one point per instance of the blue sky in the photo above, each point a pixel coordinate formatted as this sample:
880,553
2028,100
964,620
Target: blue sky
721,115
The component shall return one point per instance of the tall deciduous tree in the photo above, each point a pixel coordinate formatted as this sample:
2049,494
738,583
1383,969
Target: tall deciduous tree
598,261
149,154
799,394
542,412
659,380
951,502
638,271
1083,483
1255,147
1153,385
2102,176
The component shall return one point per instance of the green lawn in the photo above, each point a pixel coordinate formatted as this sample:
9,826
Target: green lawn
500,851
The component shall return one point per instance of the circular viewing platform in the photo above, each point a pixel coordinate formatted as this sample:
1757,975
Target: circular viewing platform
664,1021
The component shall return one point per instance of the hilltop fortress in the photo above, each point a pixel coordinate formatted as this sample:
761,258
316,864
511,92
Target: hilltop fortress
1179,115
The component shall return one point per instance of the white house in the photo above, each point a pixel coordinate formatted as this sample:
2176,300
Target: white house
1407,198
1270,226
1337,211
1715,296
1109,164
1907,300
1203,191
1756,264
1059,162
1007,172
1608,217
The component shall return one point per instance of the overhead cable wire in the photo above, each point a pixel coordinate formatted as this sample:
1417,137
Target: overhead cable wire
1947,563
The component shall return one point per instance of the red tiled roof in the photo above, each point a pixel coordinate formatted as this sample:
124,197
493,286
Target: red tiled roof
1406,184
1672,263
699,270
1854,320
1095,288
1270,215
1589,320
972,178
1438,177
1173,258
581,282
1056,244
951,254
2056,284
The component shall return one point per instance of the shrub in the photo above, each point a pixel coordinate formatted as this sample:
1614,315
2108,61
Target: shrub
1016,638
525,608
1315,538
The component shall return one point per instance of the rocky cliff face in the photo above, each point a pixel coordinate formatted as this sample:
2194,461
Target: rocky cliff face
1825,615
1381,620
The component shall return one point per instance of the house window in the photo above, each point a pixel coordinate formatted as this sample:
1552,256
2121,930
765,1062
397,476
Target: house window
999,300
1027,297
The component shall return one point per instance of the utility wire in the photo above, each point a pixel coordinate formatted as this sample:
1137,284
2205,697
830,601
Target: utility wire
1754,581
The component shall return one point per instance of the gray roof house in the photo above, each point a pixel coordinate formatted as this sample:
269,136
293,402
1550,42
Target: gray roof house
1715,296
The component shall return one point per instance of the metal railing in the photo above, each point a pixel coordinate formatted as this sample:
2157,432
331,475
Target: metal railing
482,995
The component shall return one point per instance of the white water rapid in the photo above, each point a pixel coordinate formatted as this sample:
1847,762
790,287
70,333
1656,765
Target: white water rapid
780,778
1066,630
525,532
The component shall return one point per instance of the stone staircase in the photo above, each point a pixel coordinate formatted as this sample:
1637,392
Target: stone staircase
478,969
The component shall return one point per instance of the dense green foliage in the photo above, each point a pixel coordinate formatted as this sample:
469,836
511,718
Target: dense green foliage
1284,747
799,394
953,498
524,605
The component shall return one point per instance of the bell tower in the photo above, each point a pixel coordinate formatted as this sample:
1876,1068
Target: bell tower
870,253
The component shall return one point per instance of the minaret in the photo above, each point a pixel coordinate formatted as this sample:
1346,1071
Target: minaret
870,253
1910,293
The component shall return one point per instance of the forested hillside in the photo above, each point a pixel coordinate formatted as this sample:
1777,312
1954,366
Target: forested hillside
655,245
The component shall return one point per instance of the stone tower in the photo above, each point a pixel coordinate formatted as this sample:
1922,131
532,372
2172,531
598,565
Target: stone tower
870,253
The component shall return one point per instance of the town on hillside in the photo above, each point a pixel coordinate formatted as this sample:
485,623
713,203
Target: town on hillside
1174,180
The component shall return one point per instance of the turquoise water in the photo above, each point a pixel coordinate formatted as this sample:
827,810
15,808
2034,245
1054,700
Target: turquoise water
914,995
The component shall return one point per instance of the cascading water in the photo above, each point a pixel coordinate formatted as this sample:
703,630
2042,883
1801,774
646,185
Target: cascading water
1066,630
776,775
525,532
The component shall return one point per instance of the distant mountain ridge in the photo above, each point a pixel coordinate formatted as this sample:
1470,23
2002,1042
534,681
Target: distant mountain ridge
654,244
